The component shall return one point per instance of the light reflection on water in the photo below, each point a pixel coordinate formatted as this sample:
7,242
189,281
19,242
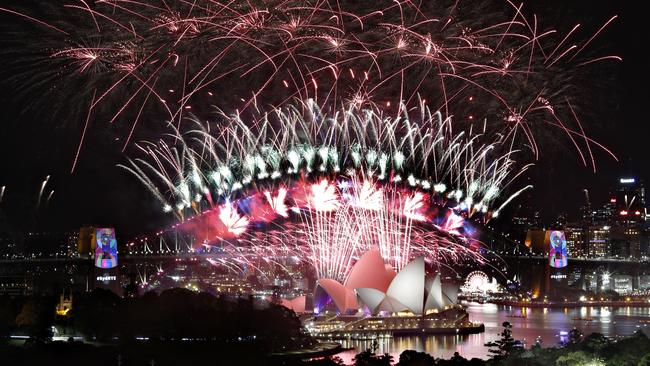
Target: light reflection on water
546,323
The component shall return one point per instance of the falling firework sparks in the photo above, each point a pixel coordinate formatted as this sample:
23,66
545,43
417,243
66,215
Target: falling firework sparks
172,59
49,198
330,238
40,192
285,145
354,181
502,77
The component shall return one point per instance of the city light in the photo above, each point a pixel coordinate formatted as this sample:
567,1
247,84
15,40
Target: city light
322,181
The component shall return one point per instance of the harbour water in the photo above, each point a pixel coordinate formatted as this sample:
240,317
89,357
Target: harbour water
527,323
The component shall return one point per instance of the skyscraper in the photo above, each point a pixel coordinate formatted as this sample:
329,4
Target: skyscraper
630,208
598,241
585,214
576,240
629,217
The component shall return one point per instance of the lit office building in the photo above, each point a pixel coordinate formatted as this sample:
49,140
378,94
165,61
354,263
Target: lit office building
630,202
598,241
576,240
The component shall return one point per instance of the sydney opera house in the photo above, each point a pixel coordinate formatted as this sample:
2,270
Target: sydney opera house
376,299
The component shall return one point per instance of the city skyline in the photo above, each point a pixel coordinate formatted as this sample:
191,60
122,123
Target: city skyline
324,182
552,176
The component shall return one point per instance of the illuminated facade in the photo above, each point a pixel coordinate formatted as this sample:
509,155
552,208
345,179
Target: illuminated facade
557,254
598,241
64,305
576,240
374,286
551,243
86,240
535,241
105,248
100,245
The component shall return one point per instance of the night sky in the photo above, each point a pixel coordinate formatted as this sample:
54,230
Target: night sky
32,146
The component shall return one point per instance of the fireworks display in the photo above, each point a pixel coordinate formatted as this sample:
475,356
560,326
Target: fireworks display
200,166
383,125
354,180
147,61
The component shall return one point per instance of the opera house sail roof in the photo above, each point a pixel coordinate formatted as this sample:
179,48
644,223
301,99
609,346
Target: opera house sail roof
373,285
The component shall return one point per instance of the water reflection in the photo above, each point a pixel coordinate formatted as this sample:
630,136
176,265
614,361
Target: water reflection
528,324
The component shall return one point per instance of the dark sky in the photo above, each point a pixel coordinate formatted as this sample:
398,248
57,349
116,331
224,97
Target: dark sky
100,193
621,125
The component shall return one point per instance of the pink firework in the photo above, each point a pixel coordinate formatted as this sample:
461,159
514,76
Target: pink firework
235,223
479,61
277,202
323,197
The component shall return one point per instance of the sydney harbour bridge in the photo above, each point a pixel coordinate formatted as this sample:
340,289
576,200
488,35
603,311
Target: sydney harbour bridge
164,252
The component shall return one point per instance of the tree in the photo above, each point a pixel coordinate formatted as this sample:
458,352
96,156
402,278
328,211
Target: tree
505,346
578,358
36,317
458,359
415,358
644,361
364,358
595,343
626,351
575,336
384,360
96,314
368,357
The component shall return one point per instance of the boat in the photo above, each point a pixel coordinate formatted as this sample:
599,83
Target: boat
587,319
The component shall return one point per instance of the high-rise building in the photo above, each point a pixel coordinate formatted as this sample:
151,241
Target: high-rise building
630,207
524,217
626,241
585,213
576,236
628,218
604,214
617,228
598,241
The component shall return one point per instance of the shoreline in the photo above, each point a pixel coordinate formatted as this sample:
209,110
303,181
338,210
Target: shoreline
571,304
323,349
390,332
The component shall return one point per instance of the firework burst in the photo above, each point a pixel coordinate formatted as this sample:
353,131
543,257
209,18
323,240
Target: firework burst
352,181
198,168
170,59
